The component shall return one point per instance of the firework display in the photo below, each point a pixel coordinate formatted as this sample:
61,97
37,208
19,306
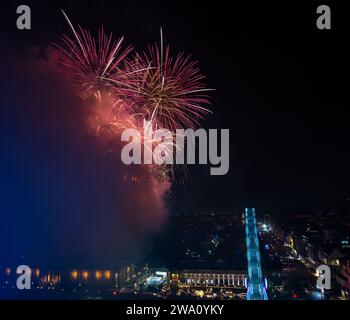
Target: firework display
123,88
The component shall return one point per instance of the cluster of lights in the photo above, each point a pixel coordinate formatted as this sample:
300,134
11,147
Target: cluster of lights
86,275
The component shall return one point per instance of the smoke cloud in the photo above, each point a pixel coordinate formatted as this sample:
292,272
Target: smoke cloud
65,191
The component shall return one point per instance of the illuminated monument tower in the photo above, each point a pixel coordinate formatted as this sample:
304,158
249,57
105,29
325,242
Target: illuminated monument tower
255,287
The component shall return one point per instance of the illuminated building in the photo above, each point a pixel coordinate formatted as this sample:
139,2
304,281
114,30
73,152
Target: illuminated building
256,286
210,278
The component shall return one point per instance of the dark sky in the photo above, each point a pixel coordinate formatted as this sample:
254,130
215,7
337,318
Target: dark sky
281,88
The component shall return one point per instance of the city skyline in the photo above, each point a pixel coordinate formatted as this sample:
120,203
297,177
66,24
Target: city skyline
263,74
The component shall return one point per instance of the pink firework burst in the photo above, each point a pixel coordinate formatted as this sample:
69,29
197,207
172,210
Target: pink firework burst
87,60
170,91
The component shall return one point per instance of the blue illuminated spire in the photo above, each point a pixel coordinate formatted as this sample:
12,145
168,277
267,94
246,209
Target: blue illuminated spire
256,286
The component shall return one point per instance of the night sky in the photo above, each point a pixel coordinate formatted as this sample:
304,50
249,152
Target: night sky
281,88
